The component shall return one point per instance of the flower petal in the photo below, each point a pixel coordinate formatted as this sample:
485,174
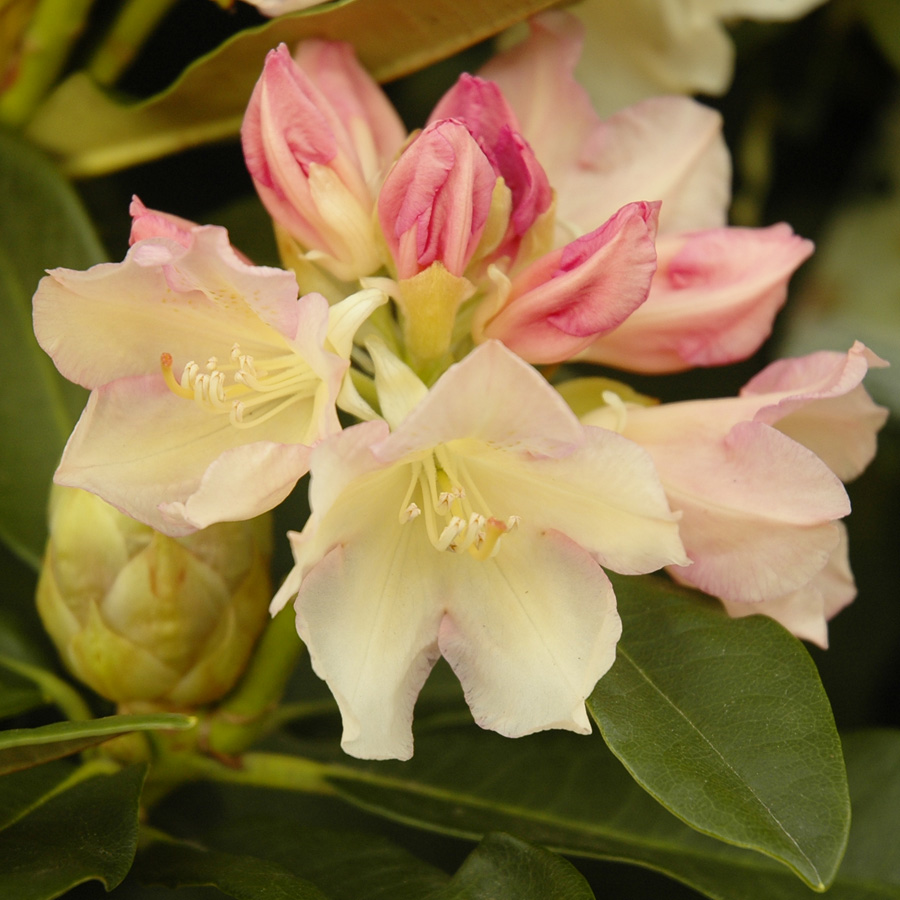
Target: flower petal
806,611
529,633
666,148
369,613
819,401
561,303
119,451
472,399
115,319
605,495
536,76
758,511
711,302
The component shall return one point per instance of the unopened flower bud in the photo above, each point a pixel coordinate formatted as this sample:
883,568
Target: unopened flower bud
316,136
143,618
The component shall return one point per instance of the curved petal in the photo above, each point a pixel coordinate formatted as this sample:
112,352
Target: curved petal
434,203
490,396
757,508
712,301
529,633
369,613
561,303
605,495
119,451
372,123
820,402
222,496
115,319
806,611
666,148
482,108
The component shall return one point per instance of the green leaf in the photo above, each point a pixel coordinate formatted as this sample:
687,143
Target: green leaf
872,860
21,748
566,792
87,831
20,792
726,723
42,224
95,133
346,865
177,864
502,866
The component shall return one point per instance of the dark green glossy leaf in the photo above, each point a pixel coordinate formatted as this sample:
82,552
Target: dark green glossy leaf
243,877
86,832
502,866
42,224
726,723
95,133
21,748
570,793
346,865
22,791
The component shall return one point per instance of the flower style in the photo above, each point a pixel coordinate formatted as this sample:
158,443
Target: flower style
757,479
474,527
716,289
261,371
317,135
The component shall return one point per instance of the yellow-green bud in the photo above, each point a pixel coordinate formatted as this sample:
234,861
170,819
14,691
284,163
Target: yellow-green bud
143,618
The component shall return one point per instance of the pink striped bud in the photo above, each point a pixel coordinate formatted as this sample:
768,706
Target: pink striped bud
434,204
315,142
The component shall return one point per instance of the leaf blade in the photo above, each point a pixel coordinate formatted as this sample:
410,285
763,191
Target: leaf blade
42,224
94,134
725,722
86,832
22,748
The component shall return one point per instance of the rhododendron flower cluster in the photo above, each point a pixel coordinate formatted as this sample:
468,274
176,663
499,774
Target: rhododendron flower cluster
450,289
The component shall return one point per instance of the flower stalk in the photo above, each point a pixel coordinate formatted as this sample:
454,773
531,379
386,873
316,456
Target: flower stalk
251,709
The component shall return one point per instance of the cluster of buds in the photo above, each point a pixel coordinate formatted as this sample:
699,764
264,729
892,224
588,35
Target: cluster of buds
428,279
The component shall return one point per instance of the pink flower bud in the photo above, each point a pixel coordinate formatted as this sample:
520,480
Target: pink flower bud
434,204
314,152
482,108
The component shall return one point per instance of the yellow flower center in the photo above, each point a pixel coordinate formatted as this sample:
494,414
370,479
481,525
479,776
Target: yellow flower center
455,513
250,391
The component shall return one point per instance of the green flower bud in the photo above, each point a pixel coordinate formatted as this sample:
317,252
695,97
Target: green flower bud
143,618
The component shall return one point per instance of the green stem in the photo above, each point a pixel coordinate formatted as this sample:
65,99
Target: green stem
269,770
251,709
46,43
133,25
54,689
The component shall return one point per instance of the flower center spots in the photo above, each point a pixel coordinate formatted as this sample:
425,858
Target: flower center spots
455,514
248,390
